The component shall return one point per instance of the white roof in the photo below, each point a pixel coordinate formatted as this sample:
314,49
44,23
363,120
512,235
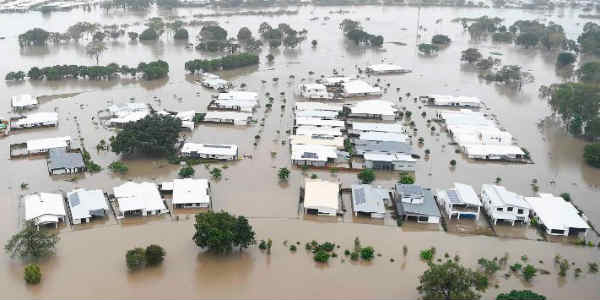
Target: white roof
452,100
49,143
337,141
243,104
383,136
385,68
467,194
186,115
378,127
312,87
500,196
466,118
36,118
555,212
313,152
360,87
320,194
215,82
381,156
129,117
23,100
211,149
228,115
81,202
120,110
187,191
318,131
137,196
44,204
318,106
483,150
321,114
374,107
366,198
319,122
335,79
239,95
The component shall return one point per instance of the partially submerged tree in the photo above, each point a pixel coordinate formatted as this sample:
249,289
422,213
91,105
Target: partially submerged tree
33,274
283,174
565,58
471,55
591,154
428,49
153,134
32,242
366,176
219,232
154,255
440,39
135,259
451,280
95,49
520,295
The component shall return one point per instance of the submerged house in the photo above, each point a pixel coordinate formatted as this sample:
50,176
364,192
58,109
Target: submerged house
23,102
61,162
454,101
210,151
373,109
314,91
238,96
86,204
313,155
504,205
389,161
387,69
318,106
215,83
334,81
40,119
319,114
414,202
319,122
381,137
319,131
234,105
139,199
358,128
45,208
368,200
460,201
44,145
321,197
122,114
556,215
333,141
228,117
358,88
191,193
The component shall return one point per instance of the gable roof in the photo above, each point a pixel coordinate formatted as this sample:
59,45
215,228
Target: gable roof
555,212
82,202
40,205
500,196
136,196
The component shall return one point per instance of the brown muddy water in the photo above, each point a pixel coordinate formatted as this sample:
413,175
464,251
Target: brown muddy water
89,262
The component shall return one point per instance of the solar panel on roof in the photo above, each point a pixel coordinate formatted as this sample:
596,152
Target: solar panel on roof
452,196
360,196
217,146
309,155
75,200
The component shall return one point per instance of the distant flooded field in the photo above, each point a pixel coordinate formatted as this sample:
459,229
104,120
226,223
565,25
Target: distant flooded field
90,258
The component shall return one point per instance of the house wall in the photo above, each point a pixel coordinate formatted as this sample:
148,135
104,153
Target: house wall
309,163
192,205
208,156
322,211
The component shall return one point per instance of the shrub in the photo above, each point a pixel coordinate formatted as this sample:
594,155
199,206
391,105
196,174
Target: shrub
148,35
154,254
321,256
293,248
181,34
366,176
529,272
118,167
262,245
453,163
327,246
515,267
367,253
591,154
407,179
354,256
427,254
186,172
135,258
346,252
33,275
520,295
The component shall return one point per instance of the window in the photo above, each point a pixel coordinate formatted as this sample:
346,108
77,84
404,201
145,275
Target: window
520,211
509,209
499,209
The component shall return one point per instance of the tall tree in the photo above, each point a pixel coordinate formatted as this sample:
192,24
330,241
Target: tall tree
95,49
451,280
32,242
153,134
219,232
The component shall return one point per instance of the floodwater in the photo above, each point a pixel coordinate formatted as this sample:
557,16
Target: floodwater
89,262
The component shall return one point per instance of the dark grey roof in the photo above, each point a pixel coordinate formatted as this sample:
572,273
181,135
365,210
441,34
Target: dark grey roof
427,208
59,158
382,147
409,189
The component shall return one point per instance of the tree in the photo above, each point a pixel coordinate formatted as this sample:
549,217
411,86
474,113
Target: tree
283,174
132,35
576,104
348,25
213,33
149,34
529,272
154,70
154,255
270,57
503,37
440,39
590,39
118,167
154,134
321,256
181,34
471,55
528,39
264,27
565,58
366,176
36,36
314,43
367,253
220,232
589,72
135,259
407,179
244,34
186,171
32,242
591,154
450,281
95,49
520,295
453,162
216,173
99,36
33,275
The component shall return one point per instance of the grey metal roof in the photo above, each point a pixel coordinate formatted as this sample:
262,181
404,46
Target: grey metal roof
366,198
59,158
382,147
427,208
409,189
453,197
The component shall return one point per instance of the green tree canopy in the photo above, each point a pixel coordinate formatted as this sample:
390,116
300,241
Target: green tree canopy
589,72
440,39
576,104
32,242
153,134
590,39
244,34
33,274
520,295
471,55
36,36
565,58
181,34
428,49
450,280
135,259
154,255
366,176
591,154
149,34
213,33
219,232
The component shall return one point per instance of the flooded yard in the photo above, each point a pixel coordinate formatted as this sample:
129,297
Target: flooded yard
89,260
